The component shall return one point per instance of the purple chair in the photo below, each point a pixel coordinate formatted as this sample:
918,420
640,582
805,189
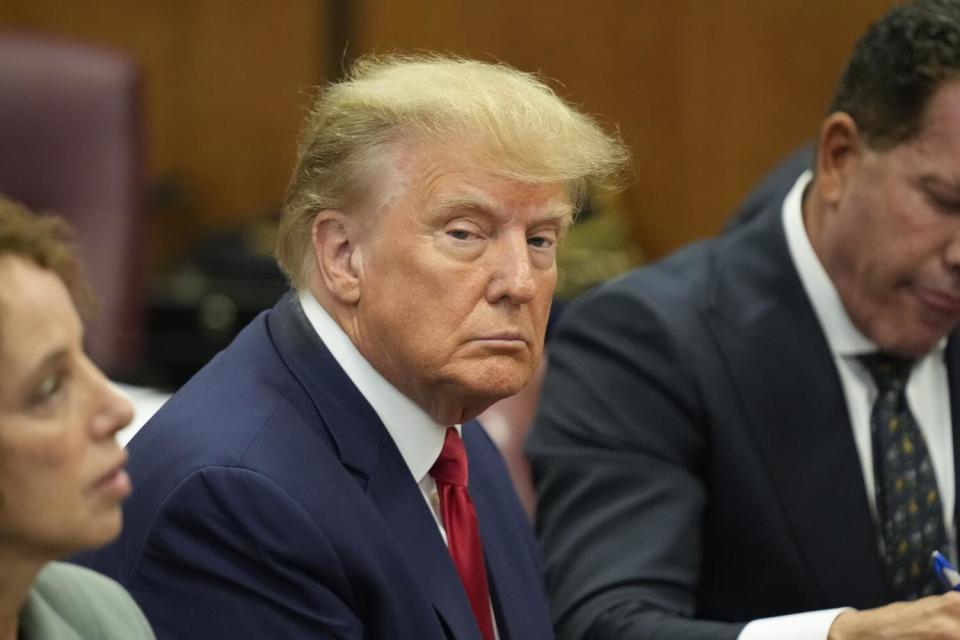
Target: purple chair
71,143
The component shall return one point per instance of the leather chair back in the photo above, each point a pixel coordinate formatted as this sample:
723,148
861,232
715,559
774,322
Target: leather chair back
71,143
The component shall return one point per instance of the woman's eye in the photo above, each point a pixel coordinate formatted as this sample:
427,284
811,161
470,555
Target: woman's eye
48,388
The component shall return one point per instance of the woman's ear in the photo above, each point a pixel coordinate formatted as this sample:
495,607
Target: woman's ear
336,254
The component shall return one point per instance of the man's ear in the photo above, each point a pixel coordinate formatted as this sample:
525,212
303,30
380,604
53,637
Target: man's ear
336,254
841,149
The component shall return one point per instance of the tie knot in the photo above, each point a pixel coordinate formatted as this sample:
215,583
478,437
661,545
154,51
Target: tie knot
889,372
451,464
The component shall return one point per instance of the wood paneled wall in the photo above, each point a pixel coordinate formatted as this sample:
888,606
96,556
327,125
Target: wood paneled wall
708,93
225,87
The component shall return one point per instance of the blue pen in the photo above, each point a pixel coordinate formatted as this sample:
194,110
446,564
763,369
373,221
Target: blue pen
947,573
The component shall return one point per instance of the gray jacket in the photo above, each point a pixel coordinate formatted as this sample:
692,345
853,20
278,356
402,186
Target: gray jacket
68,602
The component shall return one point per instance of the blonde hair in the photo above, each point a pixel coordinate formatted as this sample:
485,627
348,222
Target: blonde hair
500,120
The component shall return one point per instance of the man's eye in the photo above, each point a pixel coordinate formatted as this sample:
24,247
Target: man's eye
950,206
945,202
540,242
460,234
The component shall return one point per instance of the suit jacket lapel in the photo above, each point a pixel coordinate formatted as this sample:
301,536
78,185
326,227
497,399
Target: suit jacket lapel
401,503
791,393
508,571
346,417
365,447
501,572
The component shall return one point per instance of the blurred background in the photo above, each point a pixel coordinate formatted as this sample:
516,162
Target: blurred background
209,96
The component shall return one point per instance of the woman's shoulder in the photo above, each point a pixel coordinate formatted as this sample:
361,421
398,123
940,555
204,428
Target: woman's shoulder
67,598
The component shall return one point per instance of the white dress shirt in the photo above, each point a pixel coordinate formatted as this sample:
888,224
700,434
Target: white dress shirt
416,435
927,394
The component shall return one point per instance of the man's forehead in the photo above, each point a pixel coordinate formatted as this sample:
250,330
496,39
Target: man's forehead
474,163
929,161
547,201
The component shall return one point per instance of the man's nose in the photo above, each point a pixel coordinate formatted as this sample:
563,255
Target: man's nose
512,272
951,254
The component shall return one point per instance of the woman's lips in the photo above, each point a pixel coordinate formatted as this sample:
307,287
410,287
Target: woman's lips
115,483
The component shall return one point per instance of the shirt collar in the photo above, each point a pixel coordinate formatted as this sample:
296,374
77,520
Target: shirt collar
843,338
416,435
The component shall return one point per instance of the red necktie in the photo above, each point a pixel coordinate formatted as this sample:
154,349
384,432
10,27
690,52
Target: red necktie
463,533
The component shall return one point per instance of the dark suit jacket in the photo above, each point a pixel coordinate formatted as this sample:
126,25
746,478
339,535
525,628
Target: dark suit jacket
270,502
693,455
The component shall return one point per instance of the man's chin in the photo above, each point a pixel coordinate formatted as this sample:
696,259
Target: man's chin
482,392
911,345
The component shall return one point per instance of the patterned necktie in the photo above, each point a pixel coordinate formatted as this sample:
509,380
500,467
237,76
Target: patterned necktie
463,533
908,502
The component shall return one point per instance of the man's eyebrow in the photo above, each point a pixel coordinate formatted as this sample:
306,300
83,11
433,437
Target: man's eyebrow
560,211
491,207
467,202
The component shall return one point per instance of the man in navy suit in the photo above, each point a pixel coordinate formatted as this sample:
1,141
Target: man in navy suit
767,423
322,477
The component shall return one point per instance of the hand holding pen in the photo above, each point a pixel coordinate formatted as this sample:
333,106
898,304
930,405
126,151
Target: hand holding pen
930,618
947,573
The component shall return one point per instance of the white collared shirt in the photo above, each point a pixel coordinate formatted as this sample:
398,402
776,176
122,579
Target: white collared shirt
416,435
927,394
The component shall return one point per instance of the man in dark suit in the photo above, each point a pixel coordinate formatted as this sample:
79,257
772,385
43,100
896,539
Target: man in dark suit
312,480
765,423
